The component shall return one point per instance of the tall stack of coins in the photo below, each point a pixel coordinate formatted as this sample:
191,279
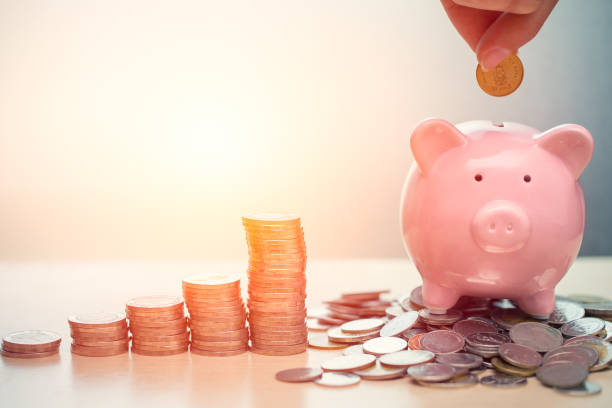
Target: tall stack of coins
31,344
217,316
277,284
99,334
158,325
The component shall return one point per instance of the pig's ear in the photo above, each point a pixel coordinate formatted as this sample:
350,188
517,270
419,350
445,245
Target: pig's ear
431,138
573,144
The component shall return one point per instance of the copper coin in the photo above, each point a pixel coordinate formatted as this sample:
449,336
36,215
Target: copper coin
34,340
98,351
400,324
221,346
565,311
41,354
501,366
348,363
271,219
471,326
384,345
154,303
362,325
572,354
431,372
354,349
137,324
415,342
169,352
301,374
460,360
100,336
263,342
337,335
562,375
202,327
97,319
503,380
321,341
369,295
284,351
451,316
172,331
520,356
502,80
197,351
442,341
144,344
159,346
213,279
162,318
102,331
113,343
379,372
455,382
580,327
407,358
408,334
225,334
338,379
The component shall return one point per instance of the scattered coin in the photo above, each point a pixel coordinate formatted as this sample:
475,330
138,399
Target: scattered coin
460,381
586,388
460,360
302,374
431,372
362,325
384,345
400,324
501,366
565,311
349,363
393,311
321,341
354,349
406,358
576,354
337,379
442,341
520,356
564,375
579,327
537,336
502,80
380,372
503,380
336,335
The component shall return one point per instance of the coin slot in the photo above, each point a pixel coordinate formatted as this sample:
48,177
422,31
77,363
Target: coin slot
478,177
527,178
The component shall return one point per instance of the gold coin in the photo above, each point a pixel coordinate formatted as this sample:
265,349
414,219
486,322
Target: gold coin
502,80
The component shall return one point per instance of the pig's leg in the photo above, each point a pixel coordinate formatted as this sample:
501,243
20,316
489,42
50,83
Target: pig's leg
438,298
539,304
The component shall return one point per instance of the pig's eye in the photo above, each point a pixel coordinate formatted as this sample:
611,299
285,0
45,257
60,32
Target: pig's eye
527,178
478,177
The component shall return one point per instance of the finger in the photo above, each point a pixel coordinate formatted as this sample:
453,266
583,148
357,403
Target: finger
470,23
511,6
509,33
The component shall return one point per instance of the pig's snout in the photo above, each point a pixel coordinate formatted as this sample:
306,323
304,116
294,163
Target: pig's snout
501,226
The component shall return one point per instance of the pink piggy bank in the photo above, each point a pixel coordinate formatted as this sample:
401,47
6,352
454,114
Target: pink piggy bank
494,210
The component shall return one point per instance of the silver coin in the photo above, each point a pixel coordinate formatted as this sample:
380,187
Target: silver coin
487,340
537,336
503,304
586,325
380,372
455,382
337,379
603,349
503,380
348,363
431,372
406,358
576,354
565,375
565,311
482,352
336,335
584,389
438,319
400,324
393,311
354,349
460,360
608,329
384,345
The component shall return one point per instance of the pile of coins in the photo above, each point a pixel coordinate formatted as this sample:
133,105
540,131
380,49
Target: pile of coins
450,350
217,316
158,325
31,344
99,334
277,284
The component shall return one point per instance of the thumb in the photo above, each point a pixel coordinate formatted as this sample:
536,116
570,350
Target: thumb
510,32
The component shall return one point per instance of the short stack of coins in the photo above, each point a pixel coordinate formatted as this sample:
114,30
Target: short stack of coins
31,344
158,325
99,334
217,316
277,284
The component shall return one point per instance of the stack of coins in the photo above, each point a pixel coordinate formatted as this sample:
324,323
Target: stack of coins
158,325
277,284
217,316
99,334
31,344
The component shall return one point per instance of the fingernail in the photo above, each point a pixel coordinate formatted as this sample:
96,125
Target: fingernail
493,57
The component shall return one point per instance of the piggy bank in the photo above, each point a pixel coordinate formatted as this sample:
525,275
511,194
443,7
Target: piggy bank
494,210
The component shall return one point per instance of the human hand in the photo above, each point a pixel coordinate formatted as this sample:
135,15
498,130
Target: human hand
495,29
